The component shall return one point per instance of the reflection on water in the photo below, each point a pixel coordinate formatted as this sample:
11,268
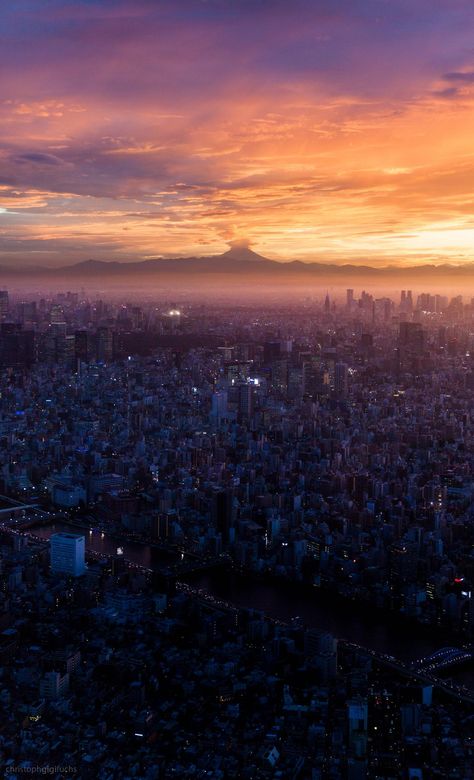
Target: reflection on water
342,618
142,554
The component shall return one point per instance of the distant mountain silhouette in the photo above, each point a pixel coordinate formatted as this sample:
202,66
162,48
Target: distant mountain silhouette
242,254
238,260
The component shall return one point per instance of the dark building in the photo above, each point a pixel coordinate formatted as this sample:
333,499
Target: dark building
104,345
17,346
245,401
271,351
403,563
222,513
85,346
412,335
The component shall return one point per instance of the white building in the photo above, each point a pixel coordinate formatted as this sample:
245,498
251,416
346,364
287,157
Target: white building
68,554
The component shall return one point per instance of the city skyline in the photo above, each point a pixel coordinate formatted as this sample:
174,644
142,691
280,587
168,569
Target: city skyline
236,537
309,131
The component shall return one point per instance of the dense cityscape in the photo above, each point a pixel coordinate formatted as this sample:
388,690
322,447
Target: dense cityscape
237,389
164,463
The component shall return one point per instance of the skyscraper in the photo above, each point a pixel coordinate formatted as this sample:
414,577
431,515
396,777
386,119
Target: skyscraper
222,513
68,554
411,335
3,304
17,346
104,345
245,409
357,711
219,406
56,316
340,380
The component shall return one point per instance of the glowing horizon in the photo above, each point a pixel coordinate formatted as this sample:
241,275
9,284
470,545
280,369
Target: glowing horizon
314,130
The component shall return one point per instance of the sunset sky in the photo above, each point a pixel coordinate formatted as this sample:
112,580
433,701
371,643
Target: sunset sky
328,130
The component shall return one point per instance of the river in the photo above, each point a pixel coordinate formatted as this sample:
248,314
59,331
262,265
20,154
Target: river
344,619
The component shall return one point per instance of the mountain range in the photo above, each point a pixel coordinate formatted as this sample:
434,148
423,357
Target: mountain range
240,261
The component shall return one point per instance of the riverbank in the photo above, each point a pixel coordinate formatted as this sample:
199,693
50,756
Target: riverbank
319,608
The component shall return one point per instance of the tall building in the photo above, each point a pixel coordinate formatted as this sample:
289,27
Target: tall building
104,345
280,375
321,647
85,345
219,406
271,351
383,308
27,311
3,304
403,563
315,378
17,346
54,685
222,513
340,380
411,335
357,716
68,554
245,401
65,350
56,316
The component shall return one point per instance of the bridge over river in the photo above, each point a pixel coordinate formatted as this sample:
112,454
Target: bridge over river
415,654
442,658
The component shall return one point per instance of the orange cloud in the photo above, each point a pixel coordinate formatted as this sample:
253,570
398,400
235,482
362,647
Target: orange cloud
315,130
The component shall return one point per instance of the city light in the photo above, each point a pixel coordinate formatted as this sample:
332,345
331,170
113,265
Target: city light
237,389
